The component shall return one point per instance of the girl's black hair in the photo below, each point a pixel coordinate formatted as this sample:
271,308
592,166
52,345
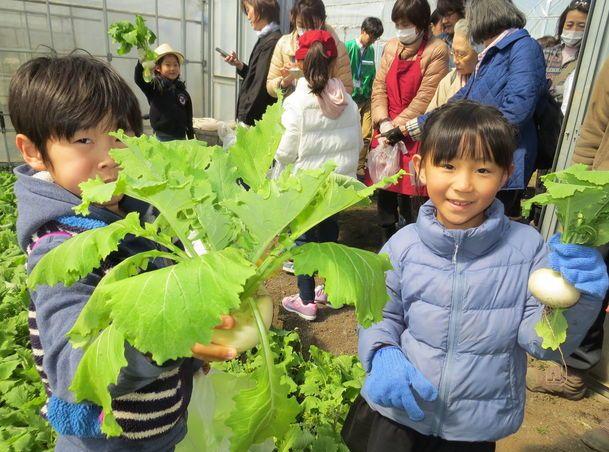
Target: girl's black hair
583,6
312,14
53,97
317,68
469,130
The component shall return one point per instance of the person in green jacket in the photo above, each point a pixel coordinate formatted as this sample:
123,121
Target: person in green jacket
361,55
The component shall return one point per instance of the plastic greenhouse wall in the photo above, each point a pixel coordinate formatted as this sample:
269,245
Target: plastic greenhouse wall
32,27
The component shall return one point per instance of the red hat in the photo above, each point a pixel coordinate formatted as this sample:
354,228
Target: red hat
308,38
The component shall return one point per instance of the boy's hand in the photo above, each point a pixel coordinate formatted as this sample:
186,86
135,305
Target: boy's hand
215,352
393,381
582,266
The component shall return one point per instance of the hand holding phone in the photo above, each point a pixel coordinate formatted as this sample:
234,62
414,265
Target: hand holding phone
222,52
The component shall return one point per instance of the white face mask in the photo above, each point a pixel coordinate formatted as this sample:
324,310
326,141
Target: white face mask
407,35
572,38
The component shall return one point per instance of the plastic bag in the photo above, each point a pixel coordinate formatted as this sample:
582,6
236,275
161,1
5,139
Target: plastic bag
385,160
210,405
227,134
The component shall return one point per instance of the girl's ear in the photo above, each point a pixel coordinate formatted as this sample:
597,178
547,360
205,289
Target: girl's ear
30,152
507,174
419,168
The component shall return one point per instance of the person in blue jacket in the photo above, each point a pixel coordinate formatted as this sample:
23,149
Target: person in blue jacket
446,365
510,75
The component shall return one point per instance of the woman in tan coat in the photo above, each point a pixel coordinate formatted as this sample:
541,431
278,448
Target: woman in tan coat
411,67
283,73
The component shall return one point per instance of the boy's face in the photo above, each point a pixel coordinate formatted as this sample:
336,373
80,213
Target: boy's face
366,39
169,67
71,162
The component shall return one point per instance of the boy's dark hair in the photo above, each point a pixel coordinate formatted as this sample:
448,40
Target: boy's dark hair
435,17
310,12
416,12
467,129
54,97
446,7
373,26
317,67
265,9
582,6
489,18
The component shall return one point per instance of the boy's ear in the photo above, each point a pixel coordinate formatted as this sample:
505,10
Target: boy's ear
419,168
507,174
30,152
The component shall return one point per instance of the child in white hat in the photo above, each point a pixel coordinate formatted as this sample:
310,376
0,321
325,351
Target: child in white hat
170,103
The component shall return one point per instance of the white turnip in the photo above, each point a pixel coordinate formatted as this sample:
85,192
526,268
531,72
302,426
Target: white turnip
551,289
244,335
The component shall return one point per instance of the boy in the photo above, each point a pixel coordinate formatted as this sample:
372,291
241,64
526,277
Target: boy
361,55
62,110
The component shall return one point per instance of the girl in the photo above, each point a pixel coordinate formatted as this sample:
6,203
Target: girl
322,124
446,365
411,68
170,104
305,15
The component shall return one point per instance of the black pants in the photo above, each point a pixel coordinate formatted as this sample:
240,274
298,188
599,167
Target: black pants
365,430
326,231
390,204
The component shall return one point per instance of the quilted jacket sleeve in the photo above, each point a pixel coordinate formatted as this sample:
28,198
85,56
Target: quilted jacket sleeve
388,330
579,317
525,81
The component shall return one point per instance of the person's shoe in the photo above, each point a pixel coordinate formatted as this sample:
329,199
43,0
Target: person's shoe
288,267
552,380
321,297
294,304
598,438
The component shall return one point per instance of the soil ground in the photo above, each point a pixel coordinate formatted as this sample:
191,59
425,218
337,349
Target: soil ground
550,424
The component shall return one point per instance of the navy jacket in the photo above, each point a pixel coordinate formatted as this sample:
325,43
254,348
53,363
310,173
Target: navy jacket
512,78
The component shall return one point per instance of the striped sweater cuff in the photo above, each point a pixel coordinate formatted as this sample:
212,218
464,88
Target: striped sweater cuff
413,129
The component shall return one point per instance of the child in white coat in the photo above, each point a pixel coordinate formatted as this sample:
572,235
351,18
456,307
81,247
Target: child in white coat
322,124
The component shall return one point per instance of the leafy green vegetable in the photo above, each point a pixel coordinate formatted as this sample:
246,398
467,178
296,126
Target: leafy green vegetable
247,234
581,198
22,394
138,35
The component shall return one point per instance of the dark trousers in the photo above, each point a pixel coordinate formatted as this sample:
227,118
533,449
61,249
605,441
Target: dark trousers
326,231
365,430
390,204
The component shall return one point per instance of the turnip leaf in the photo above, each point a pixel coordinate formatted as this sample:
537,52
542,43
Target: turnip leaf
353,276
552,328
99,368
83,253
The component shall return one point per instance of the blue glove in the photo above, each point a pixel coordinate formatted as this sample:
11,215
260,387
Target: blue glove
392,379
582,266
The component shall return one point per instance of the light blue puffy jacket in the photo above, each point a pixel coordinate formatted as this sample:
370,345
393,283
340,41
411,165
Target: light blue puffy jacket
462,314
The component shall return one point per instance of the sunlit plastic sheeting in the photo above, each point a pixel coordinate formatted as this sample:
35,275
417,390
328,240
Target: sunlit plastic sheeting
542,15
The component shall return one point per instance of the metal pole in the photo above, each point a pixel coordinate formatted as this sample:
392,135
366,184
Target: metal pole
50,25
238,35
204,63
156,17
210,55
107,37
183,18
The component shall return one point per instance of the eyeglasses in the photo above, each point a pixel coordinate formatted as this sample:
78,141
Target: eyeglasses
459,55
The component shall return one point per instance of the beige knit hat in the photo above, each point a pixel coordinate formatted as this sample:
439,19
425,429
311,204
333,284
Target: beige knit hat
165,49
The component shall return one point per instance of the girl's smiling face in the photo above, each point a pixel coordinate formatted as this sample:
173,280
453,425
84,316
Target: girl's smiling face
169,67
461,189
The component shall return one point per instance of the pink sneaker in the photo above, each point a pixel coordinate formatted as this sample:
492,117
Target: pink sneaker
321,297
294,304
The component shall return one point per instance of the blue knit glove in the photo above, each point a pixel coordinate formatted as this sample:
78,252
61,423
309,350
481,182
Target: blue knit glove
582,266
392,379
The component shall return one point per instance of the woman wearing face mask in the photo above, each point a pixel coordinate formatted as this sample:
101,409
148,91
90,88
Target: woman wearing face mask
412,65
561,59
284,73
263,16
465,58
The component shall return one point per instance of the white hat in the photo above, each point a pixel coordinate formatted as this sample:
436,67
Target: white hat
165,49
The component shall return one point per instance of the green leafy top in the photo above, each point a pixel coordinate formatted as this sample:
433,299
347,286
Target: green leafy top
581,197
248,234
138,35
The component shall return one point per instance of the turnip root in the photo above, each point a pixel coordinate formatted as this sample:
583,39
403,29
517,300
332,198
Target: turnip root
244,335
551,289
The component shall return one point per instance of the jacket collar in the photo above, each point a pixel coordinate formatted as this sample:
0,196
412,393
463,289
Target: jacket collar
473,242
508,40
